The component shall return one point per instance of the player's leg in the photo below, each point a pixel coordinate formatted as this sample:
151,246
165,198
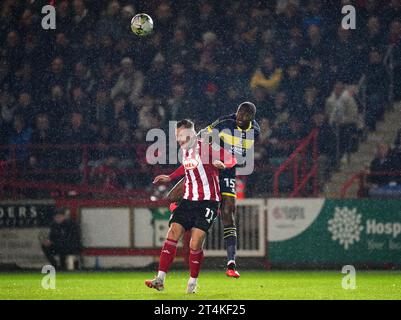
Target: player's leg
50,254
167,255
204,215
179,222
195,257
227,209
177,192
230,233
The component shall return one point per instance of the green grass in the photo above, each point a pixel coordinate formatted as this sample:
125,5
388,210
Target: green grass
212,285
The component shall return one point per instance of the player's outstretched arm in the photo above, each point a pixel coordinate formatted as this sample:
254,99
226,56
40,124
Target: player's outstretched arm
177,192
162,179
165,178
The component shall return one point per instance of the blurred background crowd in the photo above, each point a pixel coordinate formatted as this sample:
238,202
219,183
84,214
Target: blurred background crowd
92,81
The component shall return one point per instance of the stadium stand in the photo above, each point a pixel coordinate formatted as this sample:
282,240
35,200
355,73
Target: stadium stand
86,117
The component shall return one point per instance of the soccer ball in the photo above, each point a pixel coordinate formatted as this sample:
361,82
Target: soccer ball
142,24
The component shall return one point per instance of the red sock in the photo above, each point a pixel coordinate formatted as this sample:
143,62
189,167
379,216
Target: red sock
167,254
195,261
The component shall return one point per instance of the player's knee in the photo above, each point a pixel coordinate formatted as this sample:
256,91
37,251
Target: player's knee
174,233
196,244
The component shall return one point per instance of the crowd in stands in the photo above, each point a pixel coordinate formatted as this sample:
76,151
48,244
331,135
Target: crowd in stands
92,81
385,169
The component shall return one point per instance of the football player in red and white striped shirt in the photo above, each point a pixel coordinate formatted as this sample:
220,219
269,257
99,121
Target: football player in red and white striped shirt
198,209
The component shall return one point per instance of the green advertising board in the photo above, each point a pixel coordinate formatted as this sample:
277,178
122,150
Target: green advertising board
319,231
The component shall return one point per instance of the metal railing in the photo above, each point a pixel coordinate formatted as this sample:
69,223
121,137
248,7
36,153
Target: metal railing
299,158
361,178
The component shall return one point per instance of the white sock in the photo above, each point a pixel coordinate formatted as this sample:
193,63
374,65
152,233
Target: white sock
192,280
161,275
231,261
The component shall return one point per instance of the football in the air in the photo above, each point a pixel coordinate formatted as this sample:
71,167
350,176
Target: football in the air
142,24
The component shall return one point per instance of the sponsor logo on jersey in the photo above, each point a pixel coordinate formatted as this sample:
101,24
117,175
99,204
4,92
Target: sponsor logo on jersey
190,164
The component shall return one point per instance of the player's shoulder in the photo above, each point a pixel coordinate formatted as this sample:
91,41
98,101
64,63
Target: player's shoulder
226,120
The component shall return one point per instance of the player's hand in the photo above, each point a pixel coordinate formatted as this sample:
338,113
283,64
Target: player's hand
219,165
162,179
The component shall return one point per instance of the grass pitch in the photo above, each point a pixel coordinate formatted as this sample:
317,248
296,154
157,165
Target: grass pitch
213,285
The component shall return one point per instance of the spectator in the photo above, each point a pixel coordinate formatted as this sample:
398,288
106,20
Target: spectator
106,46
101,105
107,74
81,22
239,72
326,150
178,105
178,48
280,109
75,136
267,76
179,74
395,41
24,80
76,131
5,75
119,108
123,134
318,75
109,24
12,50
89,52
374,36
105,175
149,115
56,75
62,48
80,103
82,78
42,135
7,107
20,137
308,107
64,239
315,46
293,46
264,103
288,135
156,83
64,18
376,89
342,112
392,11
260,182
380,165
26,108
209,107
56,106
130,82
293,85
343,53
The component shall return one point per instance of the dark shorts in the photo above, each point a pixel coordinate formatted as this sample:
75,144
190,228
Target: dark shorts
228,182
195,214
